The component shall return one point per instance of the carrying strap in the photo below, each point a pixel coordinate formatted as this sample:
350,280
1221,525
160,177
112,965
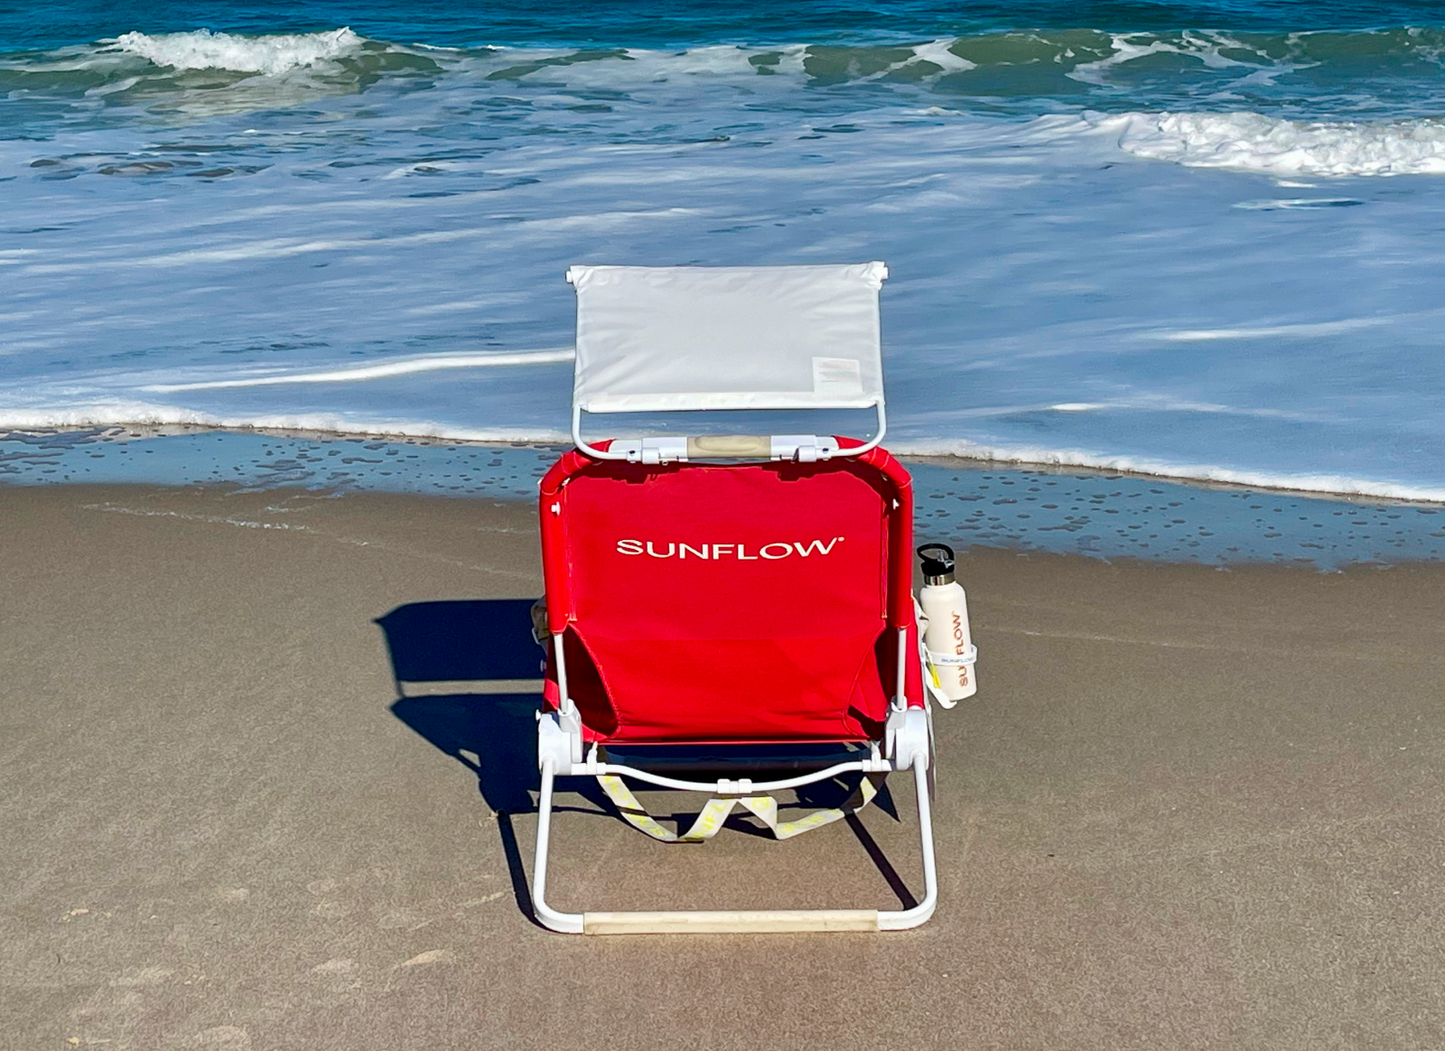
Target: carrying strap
764,808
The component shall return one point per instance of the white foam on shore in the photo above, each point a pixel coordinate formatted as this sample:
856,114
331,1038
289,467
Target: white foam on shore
1257,143
122,413
141,414
270,54
370,372
100,414
1327,484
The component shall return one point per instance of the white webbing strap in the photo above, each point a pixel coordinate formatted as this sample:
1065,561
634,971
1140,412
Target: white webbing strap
933,661
764,808
967,658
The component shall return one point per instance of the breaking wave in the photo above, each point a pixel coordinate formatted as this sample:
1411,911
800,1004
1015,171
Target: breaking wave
270,54
1392,70
204,73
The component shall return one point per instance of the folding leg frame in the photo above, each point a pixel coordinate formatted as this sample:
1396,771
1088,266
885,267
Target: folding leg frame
909,740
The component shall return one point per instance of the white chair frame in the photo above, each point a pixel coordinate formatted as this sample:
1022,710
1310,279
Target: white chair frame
907,745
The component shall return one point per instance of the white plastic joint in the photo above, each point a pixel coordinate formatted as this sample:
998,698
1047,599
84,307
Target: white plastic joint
907,737
805,448
559,738
553,743
657,450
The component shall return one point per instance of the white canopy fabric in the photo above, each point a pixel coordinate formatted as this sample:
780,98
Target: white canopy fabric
656,339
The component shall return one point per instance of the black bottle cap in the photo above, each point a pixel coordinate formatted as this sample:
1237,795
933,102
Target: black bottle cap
937,563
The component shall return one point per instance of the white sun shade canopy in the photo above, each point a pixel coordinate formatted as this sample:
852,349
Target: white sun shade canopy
658,339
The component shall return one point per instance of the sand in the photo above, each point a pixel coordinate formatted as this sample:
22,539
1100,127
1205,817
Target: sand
1189,807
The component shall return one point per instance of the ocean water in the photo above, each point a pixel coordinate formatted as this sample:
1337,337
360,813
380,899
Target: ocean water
1200,240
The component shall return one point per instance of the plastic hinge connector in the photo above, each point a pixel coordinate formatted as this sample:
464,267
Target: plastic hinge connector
651,450
804,448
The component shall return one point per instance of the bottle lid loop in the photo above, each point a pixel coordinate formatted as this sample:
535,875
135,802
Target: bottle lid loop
938,562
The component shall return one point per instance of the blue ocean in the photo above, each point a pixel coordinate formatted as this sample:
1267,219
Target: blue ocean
1198,240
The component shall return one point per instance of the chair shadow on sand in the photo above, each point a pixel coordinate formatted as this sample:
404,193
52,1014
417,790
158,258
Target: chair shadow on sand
483,652
482,655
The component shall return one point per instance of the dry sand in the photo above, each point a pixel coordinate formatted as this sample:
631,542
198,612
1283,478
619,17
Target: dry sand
1190,808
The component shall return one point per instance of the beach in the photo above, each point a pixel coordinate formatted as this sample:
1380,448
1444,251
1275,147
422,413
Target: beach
287,347
1190,806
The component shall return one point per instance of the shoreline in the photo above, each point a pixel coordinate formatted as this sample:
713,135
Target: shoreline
965,504
124,431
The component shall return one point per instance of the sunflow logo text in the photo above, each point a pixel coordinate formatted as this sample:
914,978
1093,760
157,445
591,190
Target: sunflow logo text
771,552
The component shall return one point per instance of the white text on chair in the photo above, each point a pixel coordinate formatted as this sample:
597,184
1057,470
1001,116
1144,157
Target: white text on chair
772,552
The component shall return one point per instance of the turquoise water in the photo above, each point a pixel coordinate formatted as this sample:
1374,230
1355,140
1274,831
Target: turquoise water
1197,240
676,24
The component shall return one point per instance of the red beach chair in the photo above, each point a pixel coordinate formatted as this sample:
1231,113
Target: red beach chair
730,594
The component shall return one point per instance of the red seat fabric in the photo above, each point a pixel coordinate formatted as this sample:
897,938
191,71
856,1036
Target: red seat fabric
707,603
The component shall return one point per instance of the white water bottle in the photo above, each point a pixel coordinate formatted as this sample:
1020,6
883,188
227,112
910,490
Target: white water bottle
947,637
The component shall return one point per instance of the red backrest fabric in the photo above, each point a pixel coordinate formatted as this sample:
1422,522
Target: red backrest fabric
726,603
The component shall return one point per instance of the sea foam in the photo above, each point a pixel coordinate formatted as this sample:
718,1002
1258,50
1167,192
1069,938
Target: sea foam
1255,142
132,413
1284,481
361,373
270,54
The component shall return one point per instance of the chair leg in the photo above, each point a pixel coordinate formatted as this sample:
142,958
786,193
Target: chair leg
761,921
919,914
562,922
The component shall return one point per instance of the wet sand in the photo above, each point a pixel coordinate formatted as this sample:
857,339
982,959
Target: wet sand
1190,808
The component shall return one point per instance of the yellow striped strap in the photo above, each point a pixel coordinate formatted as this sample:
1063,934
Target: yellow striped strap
716,811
